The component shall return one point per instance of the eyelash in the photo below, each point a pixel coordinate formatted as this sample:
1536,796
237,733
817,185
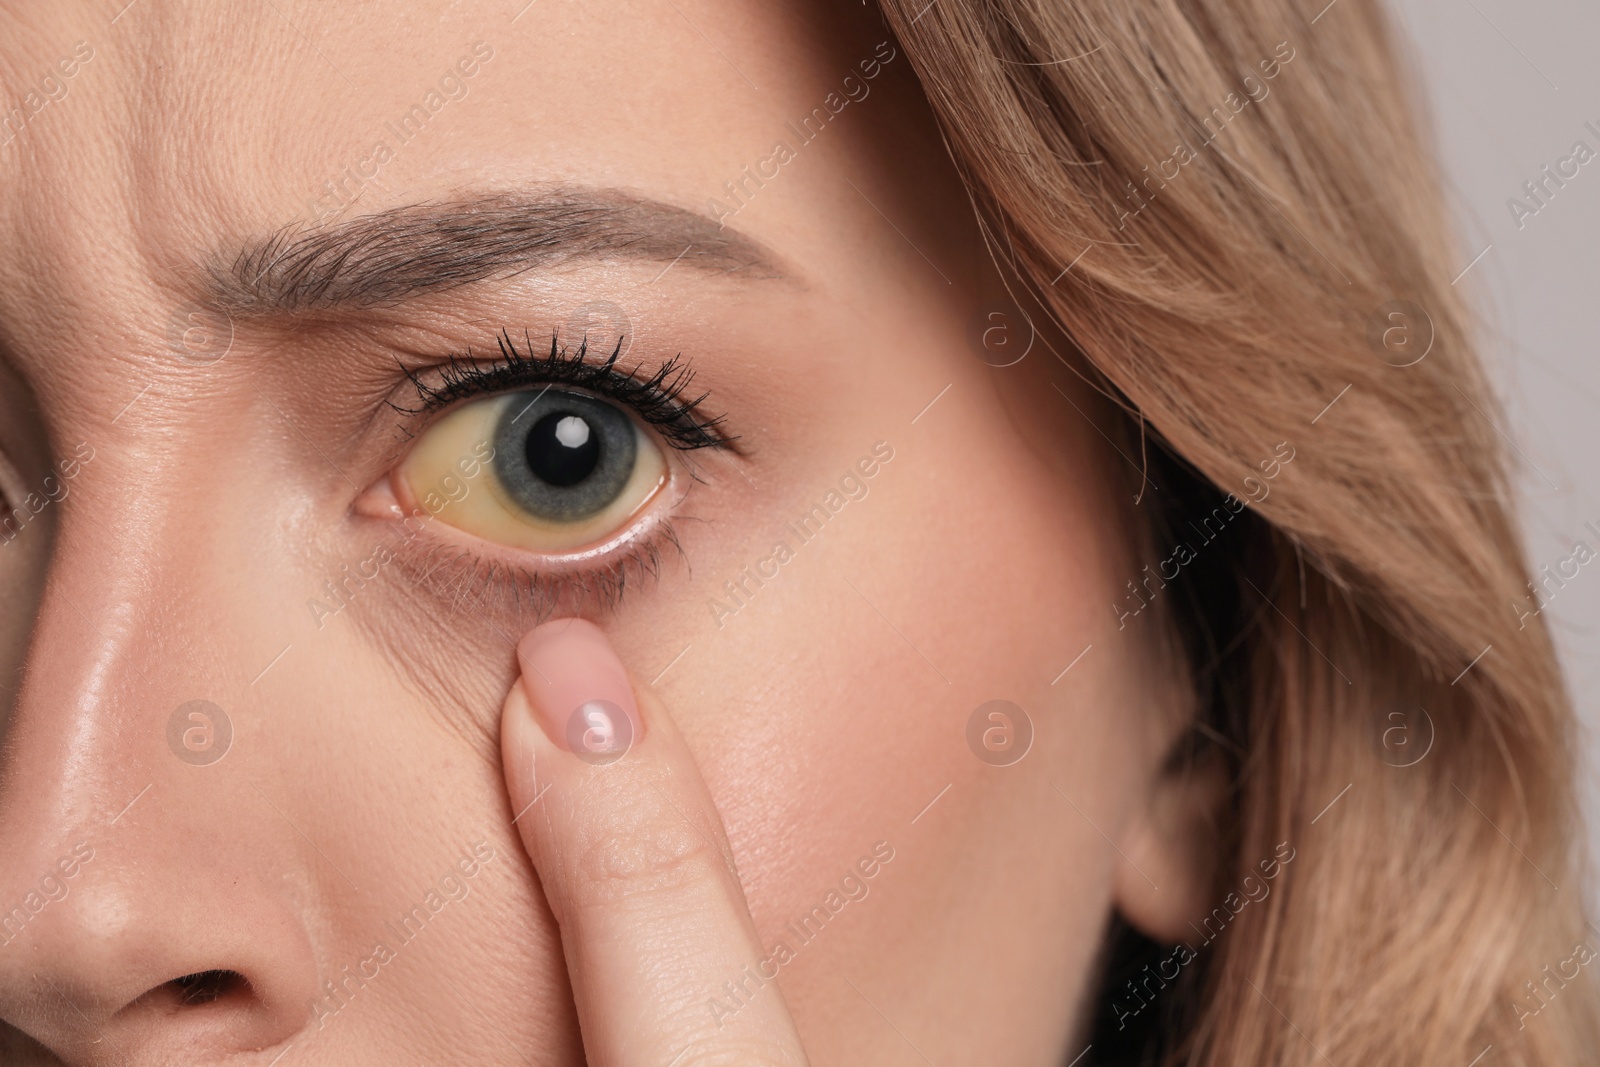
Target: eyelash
662,400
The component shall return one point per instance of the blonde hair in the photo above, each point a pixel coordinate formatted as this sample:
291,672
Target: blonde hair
1220,203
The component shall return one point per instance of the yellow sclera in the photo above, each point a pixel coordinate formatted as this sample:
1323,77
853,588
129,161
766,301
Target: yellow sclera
450,474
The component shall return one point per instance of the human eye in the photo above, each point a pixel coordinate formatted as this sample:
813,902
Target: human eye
558,454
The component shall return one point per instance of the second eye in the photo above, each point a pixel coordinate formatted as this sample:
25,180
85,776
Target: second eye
567,470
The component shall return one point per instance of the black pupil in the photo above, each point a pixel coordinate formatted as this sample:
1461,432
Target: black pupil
563,449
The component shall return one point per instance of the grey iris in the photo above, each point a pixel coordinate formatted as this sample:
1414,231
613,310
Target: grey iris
563,457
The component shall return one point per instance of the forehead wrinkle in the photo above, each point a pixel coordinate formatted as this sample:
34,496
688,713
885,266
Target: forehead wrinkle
381,259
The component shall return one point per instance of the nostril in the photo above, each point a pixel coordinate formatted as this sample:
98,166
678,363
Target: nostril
203,987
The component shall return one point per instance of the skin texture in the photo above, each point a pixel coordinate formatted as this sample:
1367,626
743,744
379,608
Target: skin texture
235,472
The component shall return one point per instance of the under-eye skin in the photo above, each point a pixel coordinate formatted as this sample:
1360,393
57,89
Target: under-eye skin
548,471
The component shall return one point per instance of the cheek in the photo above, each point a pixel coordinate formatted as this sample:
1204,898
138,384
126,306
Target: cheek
380,755
832,712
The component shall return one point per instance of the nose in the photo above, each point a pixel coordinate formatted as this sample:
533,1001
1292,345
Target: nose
152,909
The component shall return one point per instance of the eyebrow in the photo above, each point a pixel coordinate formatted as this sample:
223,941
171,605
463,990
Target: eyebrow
386,257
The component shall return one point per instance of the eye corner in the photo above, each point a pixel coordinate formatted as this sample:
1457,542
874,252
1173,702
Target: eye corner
380,500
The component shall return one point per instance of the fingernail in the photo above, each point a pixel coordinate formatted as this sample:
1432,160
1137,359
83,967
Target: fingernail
579,689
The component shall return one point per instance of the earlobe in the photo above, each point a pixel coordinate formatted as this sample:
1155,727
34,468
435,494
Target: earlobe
1170,852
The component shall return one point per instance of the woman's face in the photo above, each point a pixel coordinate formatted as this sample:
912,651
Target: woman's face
264,451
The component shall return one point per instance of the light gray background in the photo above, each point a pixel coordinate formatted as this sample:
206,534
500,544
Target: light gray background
1511,86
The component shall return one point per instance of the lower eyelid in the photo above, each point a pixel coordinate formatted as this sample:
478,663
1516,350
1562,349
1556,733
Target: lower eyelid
499,584
641,527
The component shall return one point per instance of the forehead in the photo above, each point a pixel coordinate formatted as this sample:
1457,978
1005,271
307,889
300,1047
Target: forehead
137,142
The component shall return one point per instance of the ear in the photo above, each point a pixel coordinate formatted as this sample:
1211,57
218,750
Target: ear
1171,851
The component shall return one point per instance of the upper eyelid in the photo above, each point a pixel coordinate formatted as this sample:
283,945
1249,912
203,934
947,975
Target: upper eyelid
661,398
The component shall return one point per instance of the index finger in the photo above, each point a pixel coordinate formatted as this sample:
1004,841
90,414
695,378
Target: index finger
633,858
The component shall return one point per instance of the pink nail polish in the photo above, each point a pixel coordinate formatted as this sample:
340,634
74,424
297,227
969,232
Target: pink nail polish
579,689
